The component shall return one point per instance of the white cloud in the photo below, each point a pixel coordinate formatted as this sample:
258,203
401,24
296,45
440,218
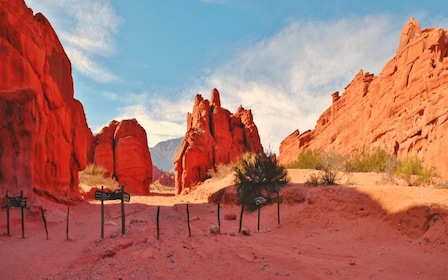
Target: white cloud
86,29
286,80
162,119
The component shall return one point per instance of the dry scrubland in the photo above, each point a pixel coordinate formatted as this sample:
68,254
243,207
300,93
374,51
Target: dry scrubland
367,229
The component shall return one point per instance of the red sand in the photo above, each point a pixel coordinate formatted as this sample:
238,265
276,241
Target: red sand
366,230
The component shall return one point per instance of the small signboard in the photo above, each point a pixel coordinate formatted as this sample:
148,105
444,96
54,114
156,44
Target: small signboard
126,197
260,200
116,195
17,201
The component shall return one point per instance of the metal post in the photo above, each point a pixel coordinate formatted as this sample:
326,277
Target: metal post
157,219
188,221
7,215
23,221
241,216
219,217
44,220
123,229
278,207
102,215
68,217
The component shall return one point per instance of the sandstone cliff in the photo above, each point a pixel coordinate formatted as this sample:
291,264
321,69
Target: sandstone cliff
214,136
122,148
44,134
403,110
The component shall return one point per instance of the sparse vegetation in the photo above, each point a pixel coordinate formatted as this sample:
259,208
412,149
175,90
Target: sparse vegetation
95,175
309,159
221,171
411,169
332,164
414,172
368,161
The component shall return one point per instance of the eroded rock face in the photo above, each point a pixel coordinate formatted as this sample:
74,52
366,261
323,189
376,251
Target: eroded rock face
122,148
44,133
403,110
214,136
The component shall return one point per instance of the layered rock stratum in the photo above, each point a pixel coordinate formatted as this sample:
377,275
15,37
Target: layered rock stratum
44,133
403,110
214,136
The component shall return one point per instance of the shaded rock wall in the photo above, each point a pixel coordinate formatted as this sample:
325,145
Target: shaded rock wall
214,136
44,135
403,110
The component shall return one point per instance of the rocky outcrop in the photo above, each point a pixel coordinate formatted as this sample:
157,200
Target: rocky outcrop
403,109
161,177
44,133
214,136
122,148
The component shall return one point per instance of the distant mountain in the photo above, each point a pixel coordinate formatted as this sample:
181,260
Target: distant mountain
162,154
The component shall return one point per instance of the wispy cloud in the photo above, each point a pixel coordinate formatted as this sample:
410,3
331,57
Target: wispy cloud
161,118
86,29
286,80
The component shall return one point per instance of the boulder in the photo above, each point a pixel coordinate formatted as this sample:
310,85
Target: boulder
44,134
214,136
402,110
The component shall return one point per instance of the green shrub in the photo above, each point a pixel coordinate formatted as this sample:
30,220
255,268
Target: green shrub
258,175
413,171
309,159
368,161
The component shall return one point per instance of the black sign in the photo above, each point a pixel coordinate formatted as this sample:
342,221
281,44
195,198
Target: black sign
17,201
116,195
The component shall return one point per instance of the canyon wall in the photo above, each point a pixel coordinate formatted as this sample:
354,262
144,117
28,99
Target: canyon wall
403,110
44,137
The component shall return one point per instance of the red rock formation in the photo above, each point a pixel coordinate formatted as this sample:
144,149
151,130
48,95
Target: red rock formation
403,110
162,177
44,134
214,136
122,148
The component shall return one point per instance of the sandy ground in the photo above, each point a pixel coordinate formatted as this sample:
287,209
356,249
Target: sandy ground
363,230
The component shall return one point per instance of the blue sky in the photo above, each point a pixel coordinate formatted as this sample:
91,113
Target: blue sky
281,59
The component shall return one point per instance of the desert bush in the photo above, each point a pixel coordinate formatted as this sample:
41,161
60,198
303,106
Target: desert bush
221,171
309,159
368,161
95,175
92,169
332,163
258,174
313,180
413,171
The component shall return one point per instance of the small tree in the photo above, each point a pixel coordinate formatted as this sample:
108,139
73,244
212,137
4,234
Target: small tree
257,174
